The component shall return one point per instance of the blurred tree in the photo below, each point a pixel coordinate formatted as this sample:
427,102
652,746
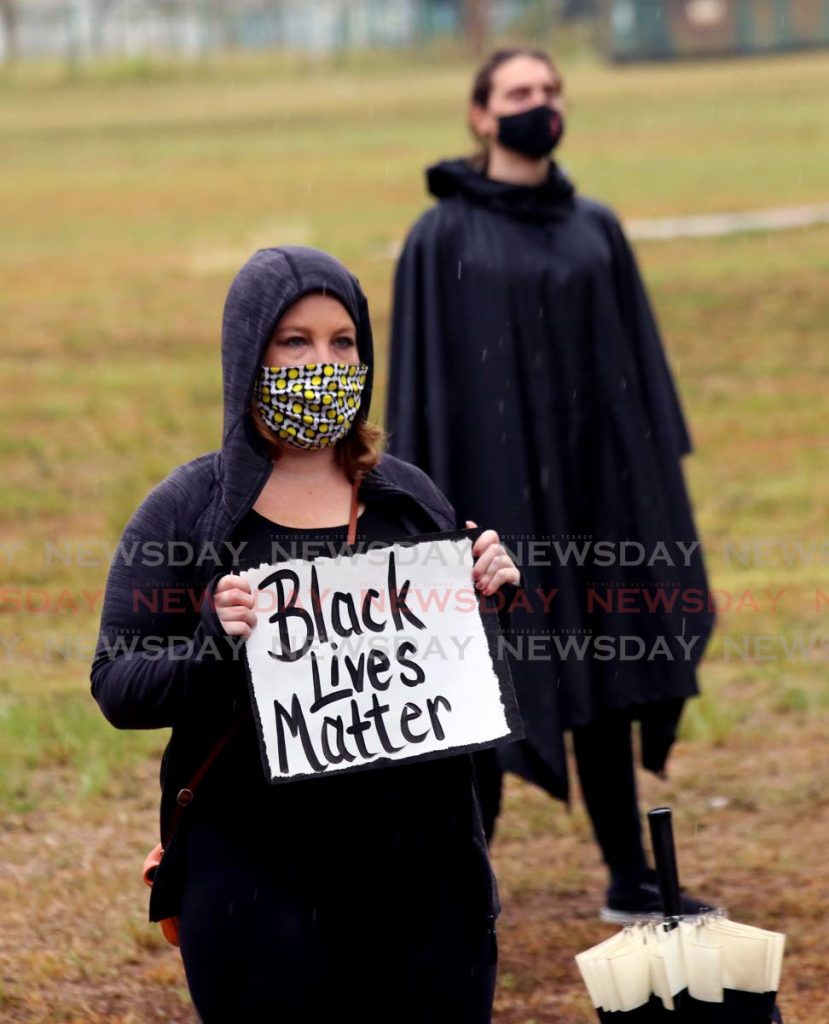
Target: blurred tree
220,13
103,11
476,24
580,8
8,18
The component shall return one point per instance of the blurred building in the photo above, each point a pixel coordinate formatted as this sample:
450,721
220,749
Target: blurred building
666,29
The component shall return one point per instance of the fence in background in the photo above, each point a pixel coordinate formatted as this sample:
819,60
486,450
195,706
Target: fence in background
84,29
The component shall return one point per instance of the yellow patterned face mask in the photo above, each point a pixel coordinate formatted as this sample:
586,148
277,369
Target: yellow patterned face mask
311,406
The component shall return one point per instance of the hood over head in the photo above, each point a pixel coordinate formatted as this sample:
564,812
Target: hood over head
270,282
529,202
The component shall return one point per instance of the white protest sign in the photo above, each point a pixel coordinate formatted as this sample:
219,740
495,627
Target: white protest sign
383,655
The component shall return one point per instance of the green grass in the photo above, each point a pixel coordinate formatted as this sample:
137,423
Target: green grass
130,201
130,195
57,749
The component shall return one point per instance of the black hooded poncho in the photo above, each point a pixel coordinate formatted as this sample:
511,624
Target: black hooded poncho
527,378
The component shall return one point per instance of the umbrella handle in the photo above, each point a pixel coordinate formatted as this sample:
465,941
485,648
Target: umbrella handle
664,852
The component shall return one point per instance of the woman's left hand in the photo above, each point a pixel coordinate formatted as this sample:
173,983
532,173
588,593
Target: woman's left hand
493,566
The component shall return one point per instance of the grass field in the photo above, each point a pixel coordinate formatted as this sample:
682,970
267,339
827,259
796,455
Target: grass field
127,202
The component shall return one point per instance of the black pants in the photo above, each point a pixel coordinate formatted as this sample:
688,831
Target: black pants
260,944
604,761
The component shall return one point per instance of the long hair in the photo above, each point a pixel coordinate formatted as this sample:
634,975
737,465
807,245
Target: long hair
357,453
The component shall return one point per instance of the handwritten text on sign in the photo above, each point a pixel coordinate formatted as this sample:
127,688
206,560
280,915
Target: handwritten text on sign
375,656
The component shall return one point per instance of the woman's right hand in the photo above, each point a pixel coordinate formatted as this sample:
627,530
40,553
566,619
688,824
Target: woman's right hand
234,606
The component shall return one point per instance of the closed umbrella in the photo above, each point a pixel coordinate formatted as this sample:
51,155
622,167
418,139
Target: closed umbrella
711,971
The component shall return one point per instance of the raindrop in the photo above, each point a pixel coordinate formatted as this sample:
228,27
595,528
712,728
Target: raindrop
545,478
483,355
460,266
623,383
575,392
500,405
525,492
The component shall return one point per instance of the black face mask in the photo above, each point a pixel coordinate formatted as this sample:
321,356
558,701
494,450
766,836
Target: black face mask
534,132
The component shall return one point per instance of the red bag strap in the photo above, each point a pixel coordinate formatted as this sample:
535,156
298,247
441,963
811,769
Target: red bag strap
185,795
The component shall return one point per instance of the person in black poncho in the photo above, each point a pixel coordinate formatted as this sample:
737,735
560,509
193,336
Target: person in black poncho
528,379
364,896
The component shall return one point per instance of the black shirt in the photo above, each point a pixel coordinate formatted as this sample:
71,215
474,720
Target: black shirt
408,824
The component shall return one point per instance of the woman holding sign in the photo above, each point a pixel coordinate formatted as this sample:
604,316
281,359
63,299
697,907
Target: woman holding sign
364,894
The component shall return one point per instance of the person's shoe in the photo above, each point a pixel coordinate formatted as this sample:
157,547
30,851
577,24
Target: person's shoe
644,904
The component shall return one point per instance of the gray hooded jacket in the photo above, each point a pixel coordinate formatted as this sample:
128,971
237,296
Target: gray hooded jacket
161,654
